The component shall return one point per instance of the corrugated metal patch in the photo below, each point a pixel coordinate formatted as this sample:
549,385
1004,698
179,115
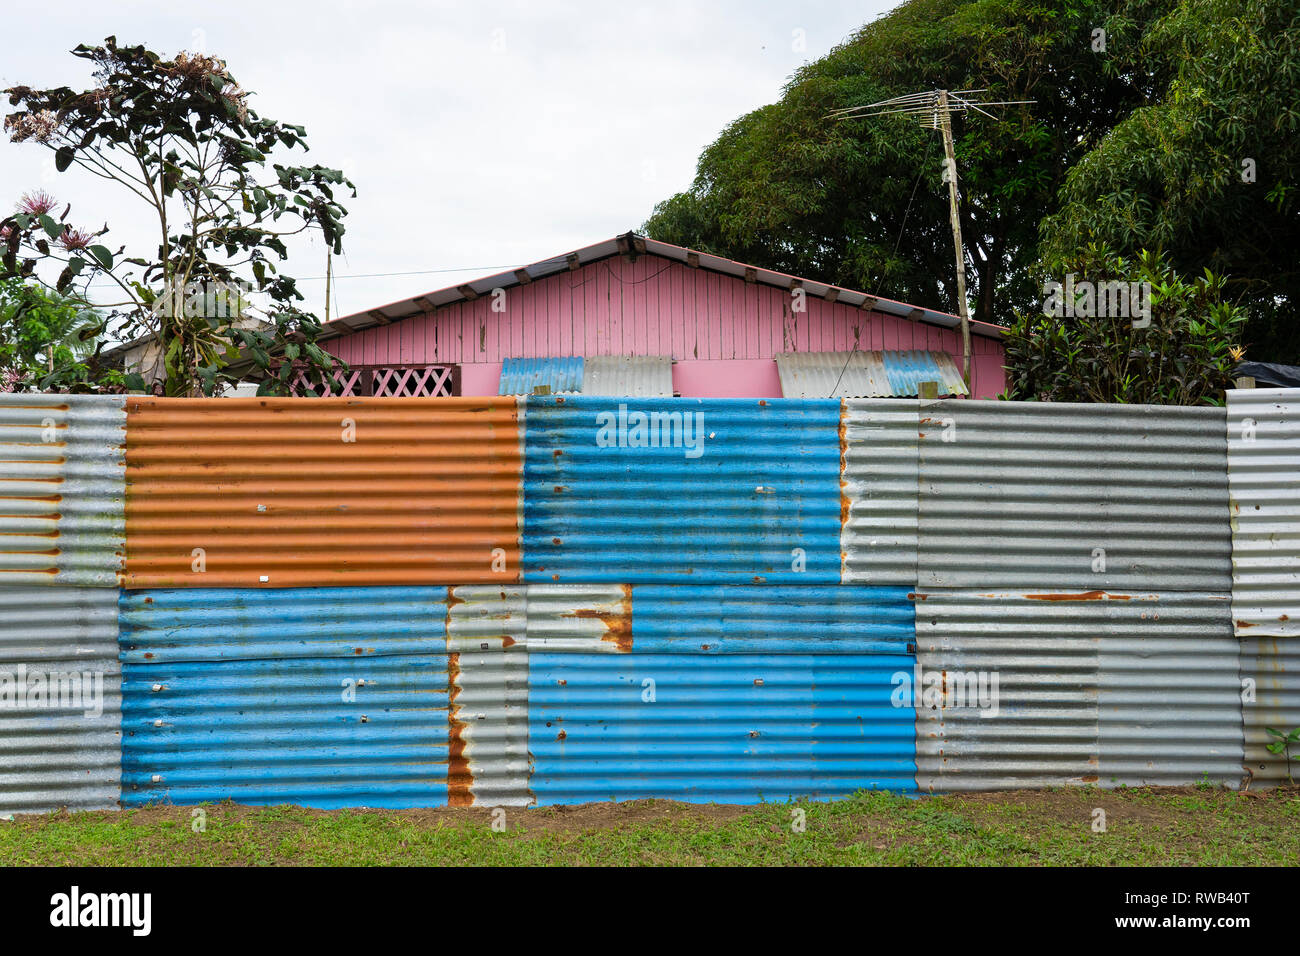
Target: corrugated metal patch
488,716
700,491
641,376
222,624
563,376
878,492
61,521
866,373
1264,485
60,740
1024,495
1094,687
272,492
350,708
729,694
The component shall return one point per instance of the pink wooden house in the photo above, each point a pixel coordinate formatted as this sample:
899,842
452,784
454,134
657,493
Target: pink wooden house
635,316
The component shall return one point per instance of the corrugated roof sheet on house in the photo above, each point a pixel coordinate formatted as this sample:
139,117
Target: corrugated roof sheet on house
562,376
62,481
634,376
866,374
631,376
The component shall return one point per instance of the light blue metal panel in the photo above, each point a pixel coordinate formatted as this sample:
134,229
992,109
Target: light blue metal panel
519,376
701,491
283,731
320,697
209,624
908,368
736,694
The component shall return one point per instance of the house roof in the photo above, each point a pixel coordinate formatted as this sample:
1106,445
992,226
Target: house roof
624,376
867,374
423,304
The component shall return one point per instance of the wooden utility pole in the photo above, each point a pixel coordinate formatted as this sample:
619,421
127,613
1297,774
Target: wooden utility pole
329,278
950,163
935,108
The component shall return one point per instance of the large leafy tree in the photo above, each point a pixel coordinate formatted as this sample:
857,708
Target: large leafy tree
180,136
1208,170
862,203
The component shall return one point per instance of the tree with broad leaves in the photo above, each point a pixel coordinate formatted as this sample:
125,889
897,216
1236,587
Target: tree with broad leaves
179,135
1180,352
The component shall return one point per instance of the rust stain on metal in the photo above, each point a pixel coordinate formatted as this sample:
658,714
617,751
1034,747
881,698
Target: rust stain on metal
845,501
1245,623
460,781
618,624
1090,778
507,641
1081,596
427,487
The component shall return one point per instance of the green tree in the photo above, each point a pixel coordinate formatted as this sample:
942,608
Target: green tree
861,203
180,136
1181,351
1209,169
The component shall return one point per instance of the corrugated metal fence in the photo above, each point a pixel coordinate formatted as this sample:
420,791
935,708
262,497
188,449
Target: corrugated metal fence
558,599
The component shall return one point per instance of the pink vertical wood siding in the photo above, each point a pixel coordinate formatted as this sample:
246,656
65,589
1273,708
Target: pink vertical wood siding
654,306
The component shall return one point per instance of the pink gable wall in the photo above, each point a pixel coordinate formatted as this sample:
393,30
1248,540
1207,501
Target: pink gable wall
655,306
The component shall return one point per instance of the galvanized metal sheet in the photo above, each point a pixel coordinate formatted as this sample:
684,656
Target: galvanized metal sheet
1090,687
731,694
563,376
1023,495
878,492
63,486
1264,485
488,716
60,699
1272,665
276,492
866,373
671,491
349,708
641,376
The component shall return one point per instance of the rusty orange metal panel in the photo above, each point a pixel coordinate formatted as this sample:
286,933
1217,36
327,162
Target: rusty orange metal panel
291,492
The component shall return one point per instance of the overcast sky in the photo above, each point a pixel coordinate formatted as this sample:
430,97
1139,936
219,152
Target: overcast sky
481,135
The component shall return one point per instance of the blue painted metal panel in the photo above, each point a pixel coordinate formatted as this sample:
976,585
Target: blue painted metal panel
908,368
320,697
280,731
708,491
208,624
519,376
736,695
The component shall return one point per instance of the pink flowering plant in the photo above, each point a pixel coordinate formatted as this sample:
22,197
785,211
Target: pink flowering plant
181,136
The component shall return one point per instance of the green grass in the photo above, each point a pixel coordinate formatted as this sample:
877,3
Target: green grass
1187,826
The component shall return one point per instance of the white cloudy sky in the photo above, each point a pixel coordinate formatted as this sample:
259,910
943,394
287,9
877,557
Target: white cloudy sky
481,135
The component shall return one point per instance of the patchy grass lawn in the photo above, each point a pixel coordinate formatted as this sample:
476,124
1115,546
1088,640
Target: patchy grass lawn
1197,826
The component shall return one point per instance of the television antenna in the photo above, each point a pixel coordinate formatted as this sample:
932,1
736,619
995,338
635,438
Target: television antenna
934,108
